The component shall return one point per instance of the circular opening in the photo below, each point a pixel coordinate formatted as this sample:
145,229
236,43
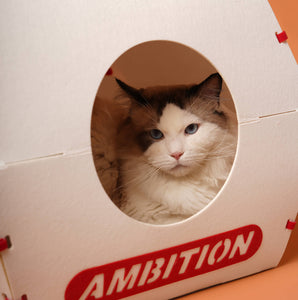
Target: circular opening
163,132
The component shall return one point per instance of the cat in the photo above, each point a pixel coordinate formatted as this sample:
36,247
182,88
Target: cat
175,150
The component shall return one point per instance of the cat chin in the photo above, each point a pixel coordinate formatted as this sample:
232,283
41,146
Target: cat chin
179,171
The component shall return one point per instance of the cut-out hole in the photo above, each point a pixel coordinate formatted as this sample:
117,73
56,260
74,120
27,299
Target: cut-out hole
142,121
8,241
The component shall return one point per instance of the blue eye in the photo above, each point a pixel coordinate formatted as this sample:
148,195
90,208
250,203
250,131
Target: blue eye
156,134
192,128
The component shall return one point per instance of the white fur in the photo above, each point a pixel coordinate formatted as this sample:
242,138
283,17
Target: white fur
161,190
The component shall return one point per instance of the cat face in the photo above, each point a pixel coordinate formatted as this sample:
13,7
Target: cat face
183,141
175,129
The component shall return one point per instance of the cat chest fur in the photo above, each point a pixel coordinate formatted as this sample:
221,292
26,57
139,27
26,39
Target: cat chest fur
160,199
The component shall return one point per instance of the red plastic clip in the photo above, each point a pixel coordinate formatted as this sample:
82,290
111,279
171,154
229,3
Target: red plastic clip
4,244
24,297
290,224
281,37
109,72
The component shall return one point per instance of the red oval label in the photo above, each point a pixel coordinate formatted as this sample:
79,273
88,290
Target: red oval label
148,271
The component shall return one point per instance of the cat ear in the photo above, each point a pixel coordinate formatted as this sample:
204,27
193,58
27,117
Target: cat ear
209,89
133,93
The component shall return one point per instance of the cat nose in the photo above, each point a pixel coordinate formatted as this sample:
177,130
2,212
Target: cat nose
177,155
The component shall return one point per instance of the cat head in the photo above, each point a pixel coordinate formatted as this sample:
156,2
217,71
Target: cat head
174,128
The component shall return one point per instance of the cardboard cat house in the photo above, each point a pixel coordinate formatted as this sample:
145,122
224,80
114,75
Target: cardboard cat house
68,240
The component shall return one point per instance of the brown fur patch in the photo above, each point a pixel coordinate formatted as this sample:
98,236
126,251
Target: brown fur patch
106,117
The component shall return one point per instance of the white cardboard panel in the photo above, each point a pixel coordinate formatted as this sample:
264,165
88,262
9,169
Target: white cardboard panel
53,57
63,222
54,54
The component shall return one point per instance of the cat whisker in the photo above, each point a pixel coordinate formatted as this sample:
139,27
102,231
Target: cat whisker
138,179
